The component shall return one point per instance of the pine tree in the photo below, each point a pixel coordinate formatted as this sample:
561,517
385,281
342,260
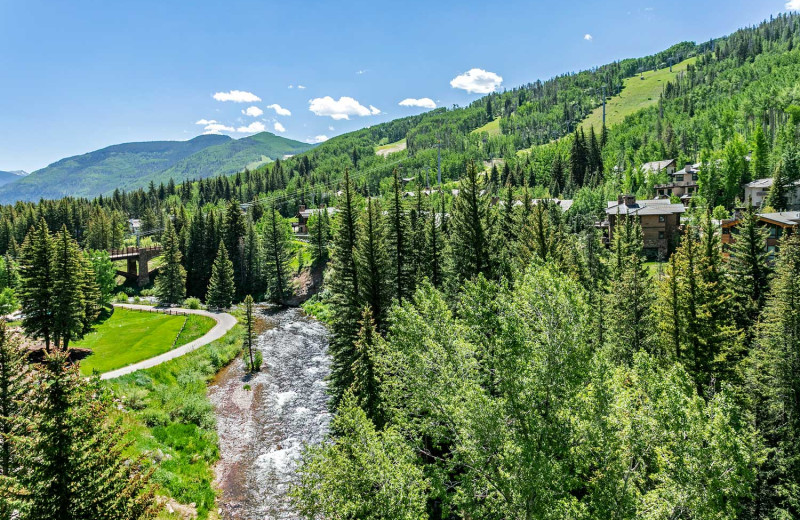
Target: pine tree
171,282
748,269
253,257
366,385
373,262
469,238
220,288
319,229
577,161
75,462
345,294
254,364
760,159
774,381
629,301
233,232
435,243
37,273
13,390
93,299
276,253
69,277
398,242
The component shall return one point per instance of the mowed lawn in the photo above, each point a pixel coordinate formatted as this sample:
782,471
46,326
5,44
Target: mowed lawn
637,94
129,336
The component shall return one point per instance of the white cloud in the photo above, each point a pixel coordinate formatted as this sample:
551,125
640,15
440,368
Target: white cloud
587,37
205,122
279,109
331,128
360,72
237,96
216,128
301,87
252,128
291,86
421,102
342,108
279,127
317,139
477,81
252,111
793,5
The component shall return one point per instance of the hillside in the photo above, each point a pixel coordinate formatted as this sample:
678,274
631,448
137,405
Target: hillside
9,177
638,92
130,166
230,157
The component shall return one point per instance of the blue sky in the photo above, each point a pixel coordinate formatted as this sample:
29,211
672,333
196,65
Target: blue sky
80,75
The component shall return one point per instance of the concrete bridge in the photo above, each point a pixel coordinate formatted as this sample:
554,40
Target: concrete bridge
138,259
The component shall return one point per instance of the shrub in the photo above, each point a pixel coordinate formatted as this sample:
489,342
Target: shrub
148,292
191,303
136,299
121,297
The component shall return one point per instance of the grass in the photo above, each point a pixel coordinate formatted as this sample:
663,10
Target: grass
304,250
491,128
636,95
128,337
386,149
171,421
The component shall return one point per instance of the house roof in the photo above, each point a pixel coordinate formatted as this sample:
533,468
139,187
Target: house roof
655,166
308,212
760,183
787,218
645,207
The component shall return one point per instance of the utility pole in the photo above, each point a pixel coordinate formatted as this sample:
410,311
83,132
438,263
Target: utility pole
604,105
439,162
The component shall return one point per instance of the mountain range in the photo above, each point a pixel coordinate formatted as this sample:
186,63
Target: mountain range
130,166
8,177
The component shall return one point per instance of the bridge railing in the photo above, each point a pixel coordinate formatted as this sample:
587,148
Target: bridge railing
133,250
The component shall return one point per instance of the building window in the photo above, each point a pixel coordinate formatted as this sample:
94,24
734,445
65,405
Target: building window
678,178
726,231
662,218
694,176
661,235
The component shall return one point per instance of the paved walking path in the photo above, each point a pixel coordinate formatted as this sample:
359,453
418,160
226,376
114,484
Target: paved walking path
225,322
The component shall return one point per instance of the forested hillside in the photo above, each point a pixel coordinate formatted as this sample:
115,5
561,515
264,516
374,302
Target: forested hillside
133,165
492,355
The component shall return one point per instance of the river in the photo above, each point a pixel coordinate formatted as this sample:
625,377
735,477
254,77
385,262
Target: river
263,420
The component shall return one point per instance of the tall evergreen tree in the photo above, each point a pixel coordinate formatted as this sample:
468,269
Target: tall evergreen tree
233,232
75,463
253,275
774,380
373,262
276,254
629,301
749,269
345,294
578,161
398,242
13,390
319,229
221,287
250,333
469,238
366,379
69,276
37,273
171,282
